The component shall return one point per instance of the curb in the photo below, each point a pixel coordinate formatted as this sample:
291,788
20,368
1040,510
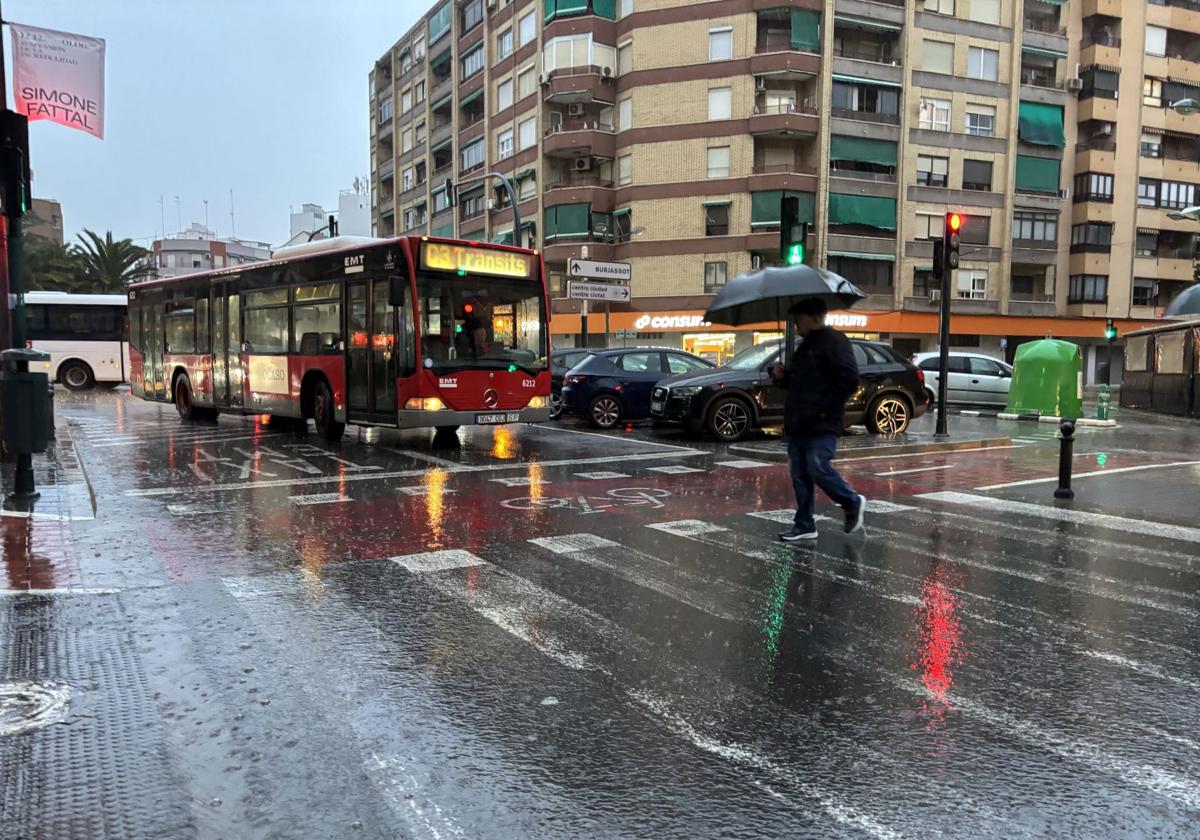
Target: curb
1040,418
869,453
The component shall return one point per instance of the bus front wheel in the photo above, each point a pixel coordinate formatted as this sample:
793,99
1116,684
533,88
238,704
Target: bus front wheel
77,376
183,400
324,417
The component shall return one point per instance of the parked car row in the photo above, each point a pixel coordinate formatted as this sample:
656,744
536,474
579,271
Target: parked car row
607,387
972,378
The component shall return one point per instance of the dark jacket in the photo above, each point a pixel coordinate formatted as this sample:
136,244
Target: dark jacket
822,376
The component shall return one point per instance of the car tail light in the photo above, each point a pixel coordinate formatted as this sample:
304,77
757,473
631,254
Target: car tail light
575,379
921,376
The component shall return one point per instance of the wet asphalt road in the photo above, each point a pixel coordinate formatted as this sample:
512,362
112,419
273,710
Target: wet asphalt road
542,632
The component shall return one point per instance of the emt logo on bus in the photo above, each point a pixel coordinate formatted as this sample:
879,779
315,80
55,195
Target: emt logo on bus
438,256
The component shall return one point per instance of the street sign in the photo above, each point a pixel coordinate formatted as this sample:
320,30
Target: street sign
597,291
597,270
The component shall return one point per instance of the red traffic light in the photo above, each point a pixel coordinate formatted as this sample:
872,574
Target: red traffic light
954,222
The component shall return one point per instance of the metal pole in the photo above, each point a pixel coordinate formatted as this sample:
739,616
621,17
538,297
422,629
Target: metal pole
607,323
943,349
583,324
1108,365
1066,454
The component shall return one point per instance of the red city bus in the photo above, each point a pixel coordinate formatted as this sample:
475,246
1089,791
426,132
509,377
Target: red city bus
409,332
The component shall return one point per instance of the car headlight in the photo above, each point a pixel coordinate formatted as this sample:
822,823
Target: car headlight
686,391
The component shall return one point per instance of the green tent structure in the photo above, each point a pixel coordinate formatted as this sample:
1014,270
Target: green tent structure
1047,379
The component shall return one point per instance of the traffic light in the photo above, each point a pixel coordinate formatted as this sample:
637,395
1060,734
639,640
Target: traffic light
954,223
793,233
1110,330
15,194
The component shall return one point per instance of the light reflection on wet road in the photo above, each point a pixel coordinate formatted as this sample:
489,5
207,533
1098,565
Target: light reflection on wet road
546,632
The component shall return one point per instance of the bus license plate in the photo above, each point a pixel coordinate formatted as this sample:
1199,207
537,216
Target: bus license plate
497,419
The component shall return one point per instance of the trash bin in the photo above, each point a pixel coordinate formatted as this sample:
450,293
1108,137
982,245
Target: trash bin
24,399
1047,379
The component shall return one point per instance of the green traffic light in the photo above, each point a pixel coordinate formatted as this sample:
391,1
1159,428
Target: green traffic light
795,254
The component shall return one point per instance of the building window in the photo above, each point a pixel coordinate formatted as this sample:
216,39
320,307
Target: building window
406,61
940,7
472,62
1144,292
526,189
419,92
720,45
985,11
1147,192
504,144
473,205
406,140
504,44
406,100
1175,196
977,230
624,58
625,114
925,282
406,180
527,27
504,95
1091,237
472,155
851,99
527,133
625,170
1030,226
418,49
1088,288
983,64
1156,40
981,120
928,226
1146,244
716,219
977,175
419,133
932,171
937,57
720,103
526,82
869,275
972,284
626,8
472,14
1151,145
441,200
623,225
934,114
567,52
1093,186
714,276
385,109
718,162
1152,92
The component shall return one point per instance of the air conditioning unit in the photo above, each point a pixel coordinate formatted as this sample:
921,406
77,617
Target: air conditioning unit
606,72
1064,194
543,79
575,109
760,82
491,4
491,204
583,164
1107,128
935,294
755,262
1073,85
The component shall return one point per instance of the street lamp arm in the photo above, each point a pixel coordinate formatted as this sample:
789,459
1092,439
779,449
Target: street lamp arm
512,197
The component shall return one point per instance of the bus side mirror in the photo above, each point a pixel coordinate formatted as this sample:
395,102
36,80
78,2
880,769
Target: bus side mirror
397,286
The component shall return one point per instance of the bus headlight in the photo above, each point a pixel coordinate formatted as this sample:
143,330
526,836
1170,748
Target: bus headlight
537,402
424,404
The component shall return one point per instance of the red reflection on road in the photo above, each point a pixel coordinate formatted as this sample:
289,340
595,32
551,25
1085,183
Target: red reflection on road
940,632
37,554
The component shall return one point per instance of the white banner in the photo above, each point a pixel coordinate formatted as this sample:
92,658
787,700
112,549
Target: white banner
59,77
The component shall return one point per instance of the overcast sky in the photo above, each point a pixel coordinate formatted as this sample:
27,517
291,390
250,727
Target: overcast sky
267,97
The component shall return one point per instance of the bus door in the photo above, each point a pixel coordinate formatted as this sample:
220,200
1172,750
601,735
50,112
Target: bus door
152,338
370,352
226,345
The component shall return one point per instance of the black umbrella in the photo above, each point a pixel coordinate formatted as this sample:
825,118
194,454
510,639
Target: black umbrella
1186,302
769,294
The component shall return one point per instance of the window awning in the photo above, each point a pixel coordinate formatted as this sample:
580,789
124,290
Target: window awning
624,211
859,256
867,210
445,100
1037,174
858,80
471,97
524,174
868,24
806,30
1053,2
443,230
1041,124
504,237
765,207
862,150
567,220
722,202
1045,52
471,190
442,144
444,55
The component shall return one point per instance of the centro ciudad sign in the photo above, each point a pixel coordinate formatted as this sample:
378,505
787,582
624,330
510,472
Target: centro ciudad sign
676,322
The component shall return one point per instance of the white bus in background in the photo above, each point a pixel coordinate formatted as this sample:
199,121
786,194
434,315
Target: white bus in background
87,337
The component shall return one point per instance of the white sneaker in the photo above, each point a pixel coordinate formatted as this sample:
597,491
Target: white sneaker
857,520
796,535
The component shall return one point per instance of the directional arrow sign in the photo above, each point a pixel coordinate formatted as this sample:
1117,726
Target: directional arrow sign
597,291
597,270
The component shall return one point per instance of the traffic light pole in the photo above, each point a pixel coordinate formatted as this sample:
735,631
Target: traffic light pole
943,343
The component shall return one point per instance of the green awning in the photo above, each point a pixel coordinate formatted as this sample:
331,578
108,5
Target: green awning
1054,2
446,230
567,220
765,207
504,237
1047,53
860,256
868,24
858,80
569,7
463,192
806,30
1041,124
444,55
862,150
1037,174
442,144
605,9
525,173
867,210
623,212
471,97
388,213
445,100
714,203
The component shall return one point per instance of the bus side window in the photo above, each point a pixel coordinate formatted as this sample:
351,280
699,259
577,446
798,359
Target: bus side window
135,327
202,325
35,321
406,357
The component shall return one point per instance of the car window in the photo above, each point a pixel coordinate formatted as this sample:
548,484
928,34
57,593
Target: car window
683,364
959,364
985,367
571,359
929,364
877,356
860,355
639,362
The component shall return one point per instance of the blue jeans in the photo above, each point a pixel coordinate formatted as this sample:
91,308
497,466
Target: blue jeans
809,459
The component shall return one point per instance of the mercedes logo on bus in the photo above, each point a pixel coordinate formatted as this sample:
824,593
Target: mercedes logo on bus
490,398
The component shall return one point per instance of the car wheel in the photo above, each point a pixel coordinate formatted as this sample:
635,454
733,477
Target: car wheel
324,417
183,400
556,404
77,376
889,414
604,412
931,398
729,419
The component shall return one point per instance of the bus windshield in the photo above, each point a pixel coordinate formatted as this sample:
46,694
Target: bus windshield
481,323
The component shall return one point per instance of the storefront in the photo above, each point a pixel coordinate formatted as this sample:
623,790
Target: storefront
908,332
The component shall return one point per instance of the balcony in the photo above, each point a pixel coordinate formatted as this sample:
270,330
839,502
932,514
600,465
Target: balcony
1040,75
575,180
1044,24
576,139
865,116
784,119
958,306
581,84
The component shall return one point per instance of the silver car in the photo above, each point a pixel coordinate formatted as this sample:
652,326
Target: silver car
974,379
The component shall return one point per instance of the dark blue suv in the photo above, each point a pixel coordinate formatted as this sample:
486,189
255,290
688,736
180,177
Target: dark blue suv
615,385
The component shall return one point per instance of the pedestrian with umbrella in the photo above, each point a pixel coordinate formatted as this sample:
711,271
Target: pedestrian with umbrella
820,375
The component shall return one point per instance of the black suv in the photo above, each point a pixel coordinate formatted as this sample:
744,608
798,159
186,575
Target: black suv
731,400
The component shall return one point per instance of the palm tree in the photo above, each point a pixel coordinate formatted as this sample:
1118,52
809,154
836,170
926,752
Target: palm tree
109,265
51,266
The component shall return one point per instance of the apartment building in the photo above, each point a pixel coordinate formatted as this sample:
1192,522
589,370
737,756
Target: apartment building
664,133
198,249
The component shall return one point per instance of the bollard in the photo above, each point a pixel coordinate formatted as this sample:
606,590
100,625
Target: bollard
1066,453
1103,403
50,411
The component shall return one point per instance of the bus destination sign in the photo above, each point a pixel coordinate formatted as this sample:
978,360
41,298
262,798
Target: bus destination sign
440,256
